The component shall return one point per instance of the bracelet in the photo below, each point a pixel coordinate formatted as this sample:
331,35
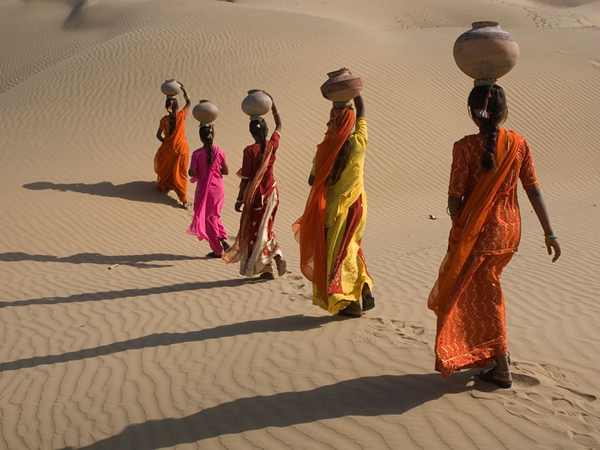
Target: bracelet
448,211
550,236
239,201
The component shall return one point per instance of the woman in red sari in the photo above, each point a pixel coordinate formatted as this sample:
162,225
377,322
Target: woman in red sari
256,246
171,159
486,229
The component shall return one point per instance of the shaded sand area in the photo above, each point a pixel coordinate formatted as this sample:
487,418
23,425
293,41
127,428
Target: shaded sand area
118,333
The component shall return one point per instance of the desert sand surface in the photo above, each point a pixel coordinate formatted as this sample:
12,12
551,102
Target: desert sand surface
117,332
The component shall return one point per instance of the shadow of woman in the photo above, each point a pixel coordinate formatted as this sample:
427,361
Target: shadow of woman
146,261
366,396
134,292
138,261
296,322
135,191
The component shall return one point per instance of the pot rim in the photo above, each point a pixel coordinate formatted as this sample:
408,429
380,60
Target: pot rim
338,72
485,23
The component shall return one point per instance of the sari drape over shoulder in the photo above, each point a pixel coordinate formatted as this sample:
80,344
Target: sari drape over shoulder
467,298
332,258
171,159
256,245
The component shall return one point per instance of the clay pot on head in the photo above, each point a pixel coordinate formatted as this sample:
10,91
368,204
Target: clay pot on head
486,51
170,88
205,112
256,103
342,86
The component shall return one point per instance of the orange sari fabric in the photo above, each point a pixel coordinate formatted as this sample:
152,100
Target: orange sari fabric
463,271
309,229
171,159
467,226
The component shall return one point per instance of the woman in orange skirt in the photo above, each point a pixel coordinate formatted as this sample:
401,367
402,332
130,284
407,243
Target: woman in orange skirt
171,159
486,229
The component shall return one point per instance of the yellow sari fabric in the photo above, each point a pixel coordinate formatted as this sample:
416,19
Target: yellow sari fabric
340,198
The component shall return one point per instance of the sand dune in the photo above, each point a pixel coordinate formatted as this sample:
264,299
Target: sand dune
119,333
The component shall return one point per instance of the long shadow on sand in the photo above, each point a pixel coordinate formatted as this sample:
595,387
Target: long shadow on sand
125,293
280,324
139,261
366,397
136,191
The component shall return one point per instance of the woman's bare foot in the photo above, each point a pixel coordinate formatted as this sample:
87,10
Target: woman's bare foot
185,205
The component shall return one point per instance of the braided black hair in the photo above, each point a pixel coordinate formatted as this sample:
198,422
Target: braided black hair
488,109
259,130
171,106
340,163
206,136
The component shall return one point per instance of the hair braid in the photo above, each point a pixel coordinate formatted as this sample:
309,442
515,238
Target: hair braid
169,105
488,159
207,136
488,108
259,130
341,161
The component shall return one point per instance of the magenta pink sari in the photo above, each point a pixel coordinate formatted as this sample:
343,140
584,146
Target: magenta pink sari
209,198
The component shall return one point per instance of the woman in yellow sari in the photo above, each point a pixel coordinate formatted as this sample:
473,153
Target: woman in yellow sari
337,204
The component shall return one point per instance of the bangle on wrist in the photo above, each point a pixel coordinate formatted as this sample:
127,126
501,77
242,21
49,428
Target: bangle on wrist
550,236
448,211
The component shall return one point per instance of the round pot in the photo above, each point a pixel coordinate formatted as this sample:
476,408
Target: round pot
205,112
170,87
256,103
342,86
486,51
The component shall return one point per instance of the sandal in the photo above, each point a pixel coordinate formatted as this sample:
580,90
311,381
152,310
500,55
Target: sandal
267,276
225,245
352,310
281,267
488,375
368,302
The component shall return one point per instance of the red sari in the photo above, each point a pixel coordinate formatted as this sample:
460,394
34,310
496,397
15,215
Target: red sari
256,245
467,297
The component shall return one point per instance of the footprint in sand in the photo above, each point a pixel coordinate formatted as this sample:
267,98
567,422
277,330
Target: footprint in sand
524,380
390,327
585,440
525,412
583,395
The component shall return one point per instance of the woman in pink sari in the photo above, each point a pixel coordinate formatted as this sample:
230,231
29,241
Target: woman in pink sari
207,168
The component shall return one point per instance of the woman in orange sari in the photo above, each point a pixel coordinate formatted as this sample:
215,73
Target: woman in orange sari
330,230
486,229
171,159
